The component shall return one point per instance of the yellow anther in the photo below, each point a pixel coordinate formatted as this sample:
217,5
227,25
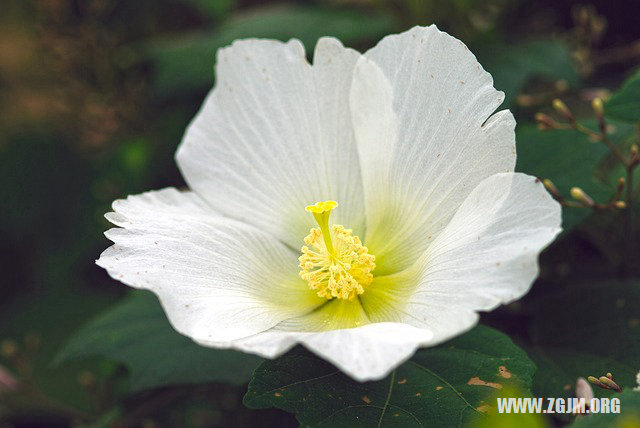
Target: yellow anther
333,261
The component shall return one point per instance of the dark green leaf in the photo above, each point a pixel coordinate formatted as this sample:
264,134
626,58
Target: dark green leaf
597,330
624,104
187,63
136,332
513,65
448,385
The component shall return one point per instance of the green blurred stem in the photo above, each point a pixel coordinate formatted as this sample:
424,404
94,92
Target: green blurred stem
629,164
604,137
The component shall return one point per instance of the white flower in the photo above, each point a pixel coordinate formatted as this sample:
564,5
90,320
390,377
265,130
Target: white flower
638,382
432,224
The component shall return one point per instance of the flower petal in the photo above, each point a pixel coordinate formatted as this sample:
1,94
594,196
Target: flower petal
420,103
217,279
333,315
365,353
486,256
275,135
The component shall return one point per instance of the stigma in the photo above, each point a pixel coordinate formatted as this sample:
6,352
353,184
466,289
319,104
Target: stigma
333,261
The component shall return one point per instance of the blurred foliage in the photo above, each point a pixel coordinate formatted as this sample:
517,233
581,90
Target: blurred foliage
624,104
592,328
186,63
513,65
137,328
570,158
601,336
94,97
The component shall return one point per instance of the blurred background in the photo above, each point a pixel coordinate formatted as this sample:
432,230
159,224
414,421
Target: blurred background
95,96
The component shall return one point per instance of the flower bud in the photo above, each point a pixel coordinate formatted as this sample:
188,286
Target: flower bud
598,107
561,107
579,195
610,383
596,382
561,85
551,188
546,121
8,348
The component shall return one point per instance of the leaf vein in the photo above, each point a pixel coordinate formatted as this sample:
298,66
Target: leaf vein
446,383
386,403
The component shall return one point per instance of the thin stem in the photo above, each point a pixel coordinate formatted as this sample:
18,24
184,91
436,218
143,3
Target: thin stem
602,136
616,152
629,164
629,182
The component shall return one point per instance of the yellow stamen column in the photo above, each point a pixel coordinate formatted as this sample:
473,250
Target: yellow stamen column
333,261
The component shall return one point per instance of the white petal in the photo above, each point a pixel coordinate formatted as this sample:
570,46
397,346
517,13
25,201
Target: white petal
486,256
420,104
638,381
365,353
275,135
217,279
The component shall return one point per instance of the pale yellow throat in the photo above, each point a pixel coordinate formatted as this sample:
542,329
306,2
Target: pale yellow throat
333,261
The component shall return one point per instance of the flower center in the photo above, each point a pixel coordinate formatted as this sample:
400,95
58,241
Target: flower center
333,261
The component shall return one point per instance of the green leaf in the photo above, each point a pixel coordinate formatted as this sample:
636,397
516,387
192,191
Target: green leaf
624,104
568,159
512,66
137,333
628,416
587,330
449,385
187,63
